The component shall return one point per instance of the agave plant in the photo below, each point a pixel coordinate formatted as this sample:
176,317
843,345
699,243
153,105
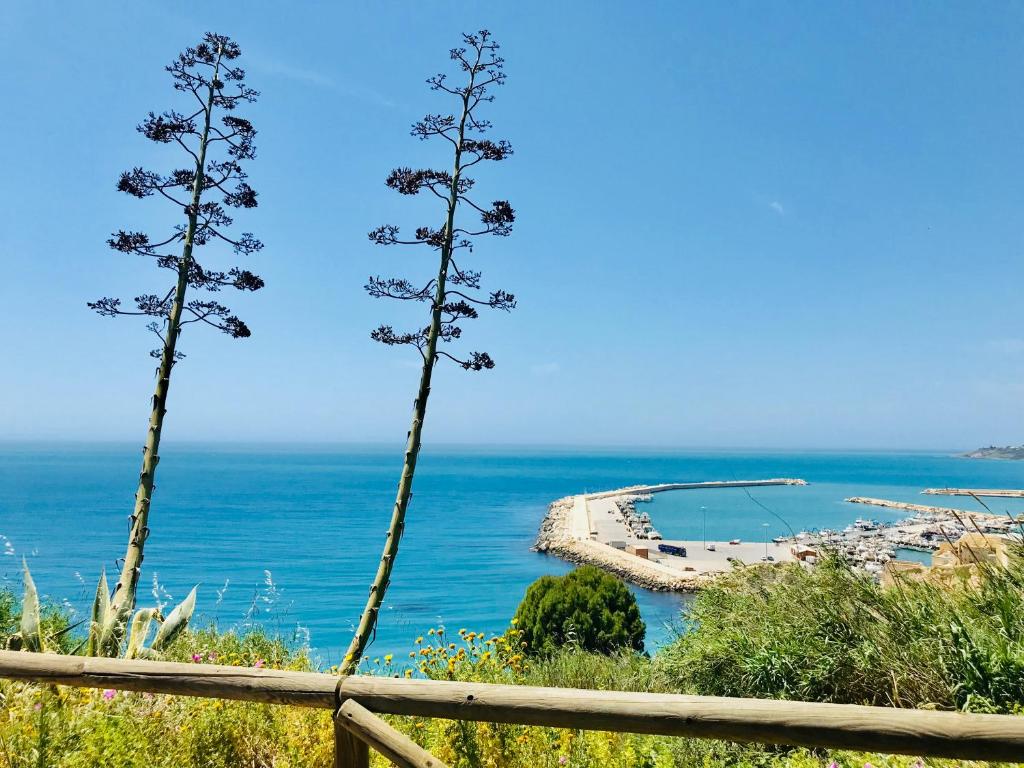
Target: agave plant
107,624
31,638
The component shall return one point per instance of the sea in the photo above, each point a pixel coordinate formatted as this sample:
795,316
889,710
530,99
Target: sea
289,536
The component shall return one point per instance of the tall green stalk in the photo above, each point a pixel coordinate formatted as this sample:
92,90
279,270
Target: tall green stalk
368,619
123,599
444,312
205,73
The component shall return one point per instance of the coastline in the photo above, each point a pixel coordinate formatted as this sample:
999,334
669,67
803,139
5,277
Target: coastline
582,533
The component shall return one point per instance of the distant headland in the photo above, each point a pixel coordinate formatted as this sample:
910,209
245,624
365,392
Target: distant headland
1015,452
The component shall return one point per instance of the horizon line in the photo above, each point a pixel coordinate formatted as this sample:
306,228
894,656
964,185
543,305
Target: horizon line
390,444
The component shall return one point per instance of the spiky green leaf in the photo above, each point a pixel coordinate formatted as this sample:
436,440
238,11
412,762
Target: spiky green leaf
140,629
31,634
100,608
175,622
112,631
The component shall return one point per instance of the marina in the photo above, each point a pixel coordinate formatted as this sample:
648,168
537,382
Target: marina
605,529
611,529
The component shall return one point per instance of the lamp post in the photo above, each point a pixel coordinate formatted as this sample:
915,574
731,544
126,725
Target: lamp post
765,540
704,510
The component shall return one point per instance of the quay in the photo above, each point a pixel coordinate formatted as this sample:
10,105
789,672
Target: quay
594,528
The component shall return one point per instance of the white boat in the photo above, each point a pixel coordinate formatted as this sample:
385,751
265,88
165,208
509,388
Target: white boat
735,541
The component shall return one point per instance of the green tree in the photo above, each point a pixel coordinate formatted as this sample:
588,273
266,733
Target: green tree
587,608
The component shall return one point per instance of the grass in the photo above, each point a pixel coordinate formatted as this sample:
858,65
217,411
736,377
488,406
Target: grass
831,634
826,635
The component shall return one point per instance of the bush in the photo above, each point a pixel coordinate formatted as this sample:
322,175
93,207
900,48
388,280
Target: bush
586,609
831,634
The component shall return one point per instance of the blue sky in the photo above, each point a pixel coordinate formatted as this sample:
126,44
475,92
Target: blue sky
763,224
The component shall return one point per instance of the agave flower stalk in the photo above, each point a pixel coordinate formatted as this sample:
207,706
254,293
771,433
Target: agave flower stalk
453,293
218,87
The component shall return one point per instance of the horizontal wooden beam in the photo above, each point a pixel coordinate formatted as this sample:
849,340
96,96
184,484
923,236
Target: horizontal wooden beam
881,729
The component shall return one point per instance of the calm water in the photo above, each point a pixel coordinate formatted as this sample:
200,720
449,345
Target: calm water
314,518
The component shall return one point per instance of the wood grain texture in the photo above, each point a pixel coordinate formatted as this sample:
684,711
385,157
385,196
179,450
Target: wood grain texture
349,751
904,731
395,746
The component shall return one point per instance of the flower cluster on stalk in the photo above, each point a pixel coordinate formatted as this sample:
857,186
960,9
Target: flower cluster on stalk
206,72
455,295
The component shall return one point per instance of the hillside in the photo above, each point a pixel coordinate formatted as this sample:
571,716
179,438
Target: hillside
997,452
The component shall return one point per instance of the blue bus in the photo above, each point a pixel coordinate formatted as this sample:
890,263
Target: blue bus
672,549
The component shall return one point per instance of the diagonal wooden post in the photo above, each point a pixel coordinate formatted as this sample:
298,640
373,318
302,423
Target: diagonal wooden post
365,727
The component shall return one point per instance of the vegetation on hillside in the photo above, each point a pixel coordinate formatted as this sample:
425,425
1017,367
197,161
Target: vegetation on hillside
832,634
75,728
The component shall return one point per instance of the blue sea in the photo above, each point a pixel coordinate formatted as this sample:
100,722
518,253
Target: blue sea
290,536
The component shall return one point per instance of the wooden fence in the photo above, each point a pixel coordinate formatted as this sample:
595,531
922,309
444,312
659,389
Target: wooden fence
355,699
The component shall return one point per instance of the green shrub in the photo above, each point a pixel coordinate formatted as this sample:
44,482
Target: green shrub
586,609
832,634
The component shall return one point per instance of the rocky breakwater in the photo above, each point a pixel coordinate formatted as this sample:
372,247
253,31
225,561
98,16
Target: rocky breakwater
558,536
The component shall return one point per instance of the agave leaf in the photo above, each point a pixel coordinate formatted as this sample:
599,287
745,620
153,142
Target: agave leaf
175,622
31,636
112,631
140,628
100,607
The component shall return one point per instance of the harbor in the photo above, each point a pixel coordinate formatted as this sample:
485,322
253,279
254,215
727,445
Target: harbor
612,530
605,529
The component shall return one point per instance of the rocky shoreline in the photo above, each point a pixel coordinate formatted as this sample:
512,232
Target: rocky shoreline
1008,452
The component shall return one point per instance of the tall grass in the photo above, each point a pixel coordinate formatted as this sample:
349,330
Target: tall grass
831,634
826,635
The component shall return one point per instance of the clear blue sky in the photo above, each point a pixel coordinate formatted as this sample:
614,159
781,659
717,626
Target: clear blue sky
740,224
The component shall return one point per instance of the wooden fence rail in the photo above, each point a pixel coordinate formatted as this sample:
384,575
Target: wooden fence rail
903,731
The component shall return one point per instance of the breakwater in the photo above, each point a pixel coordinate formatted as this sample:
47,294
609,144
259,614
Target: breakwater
589,529
926,509
999,493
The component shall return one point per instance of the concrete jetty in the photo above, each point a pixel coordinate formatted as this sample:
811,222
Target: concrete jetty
999,493
590,528
925,509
